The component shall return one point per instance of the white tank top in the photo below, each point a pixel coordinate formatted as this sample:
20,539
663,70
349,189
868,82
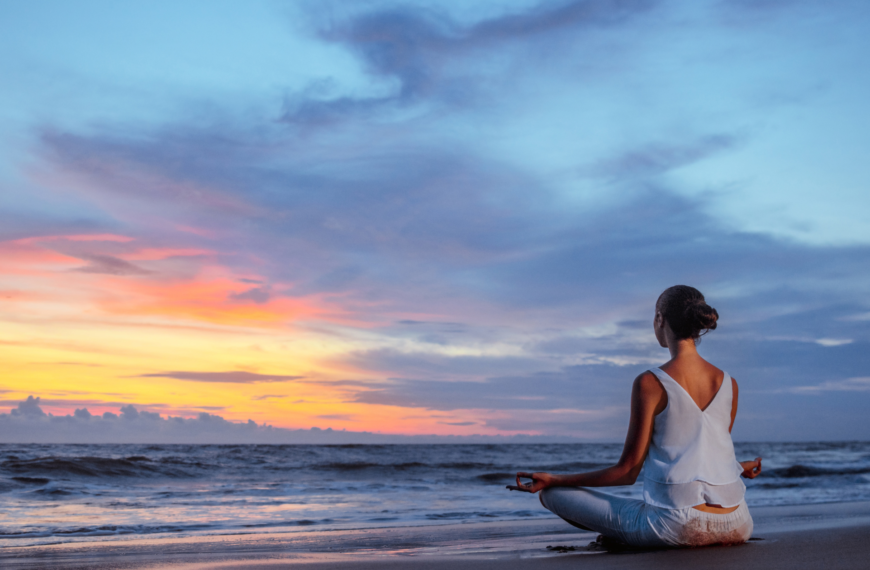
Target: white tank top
691,457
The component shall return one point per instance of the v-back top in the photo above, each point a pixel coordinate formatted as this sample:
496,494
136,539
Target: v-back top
691,457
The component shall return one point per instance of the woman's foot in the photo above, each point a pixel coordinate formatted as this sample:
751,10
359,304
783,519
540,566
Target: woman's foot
609,544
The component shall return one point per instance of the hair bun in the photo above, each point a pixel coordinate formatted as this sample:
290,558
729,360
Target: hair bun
702,316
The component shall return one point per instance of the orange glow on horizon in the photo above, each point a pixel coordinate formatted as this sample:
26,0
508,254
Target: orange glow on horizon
84,338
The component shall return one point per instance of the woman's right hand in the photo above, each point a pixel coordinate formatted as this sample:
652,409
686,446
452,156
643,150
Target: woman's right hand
540,481
751,469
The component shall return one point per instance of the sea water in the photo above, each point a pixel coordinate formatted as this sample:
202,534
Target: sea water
63,493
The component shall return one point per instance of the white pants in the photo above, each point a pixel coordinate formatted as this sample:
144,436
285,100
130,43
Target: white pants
637,523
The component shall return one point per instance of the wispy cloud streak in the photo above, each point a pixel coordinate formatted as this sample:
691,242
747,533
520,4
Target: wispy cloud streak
233,377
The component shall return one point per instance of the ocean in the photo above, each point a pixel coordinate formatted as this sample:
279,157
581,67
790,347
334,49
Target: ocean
67,493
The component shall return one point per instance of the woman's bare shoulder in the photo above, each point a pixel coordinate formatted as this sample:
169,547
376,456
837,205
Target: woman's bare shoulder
649,394
648,383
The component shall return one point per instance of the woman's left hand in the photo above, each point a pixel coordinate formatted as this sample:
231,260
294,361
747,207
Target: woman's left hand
540,481
751,469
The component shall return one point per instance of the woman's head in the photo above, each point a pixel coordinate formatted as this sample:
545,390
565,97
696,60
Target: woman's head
686,312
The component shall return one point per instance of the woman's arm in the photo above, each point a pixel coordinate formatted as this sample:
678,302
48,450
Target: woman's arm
751,469
647,399
734,394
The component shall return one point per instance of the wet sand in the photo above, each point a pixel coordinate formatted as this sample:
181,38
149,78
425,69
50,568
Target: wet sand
830,536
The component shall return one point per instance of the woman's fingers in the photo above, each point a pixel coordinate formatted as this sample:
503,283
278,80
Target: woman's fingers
535,485
522,474
524,488
527,487
754,469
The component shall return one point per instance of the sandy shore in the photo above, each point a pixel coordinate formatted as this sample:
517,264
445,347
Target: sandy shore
830,536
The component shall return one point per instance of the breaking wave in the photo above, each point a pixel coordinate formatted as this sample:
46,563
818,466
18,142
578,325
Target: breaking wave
35,470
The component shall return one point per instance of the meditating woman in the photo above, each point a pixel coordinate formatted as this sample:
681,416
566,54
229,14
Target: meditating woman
681,419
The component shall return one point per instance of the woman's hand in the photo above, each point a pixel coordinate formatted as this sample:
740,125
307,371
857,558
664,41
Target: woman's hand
540,481
751,469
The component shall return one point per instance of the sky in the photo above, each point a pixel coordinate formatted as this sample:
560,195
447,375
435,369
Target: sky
431,217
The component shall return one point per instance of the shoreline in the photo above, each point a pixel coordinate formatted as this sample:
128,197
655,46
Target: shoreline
796,533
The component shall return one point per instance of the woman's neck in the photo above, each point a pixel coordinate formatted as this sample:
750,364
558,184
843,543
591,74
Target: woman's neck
682,348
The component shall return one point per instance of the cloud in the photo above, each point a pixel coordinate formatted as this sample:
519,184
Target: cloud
136,426
411,322
417,46
597,424
87,364
232,377
35,406
342,417
109,265
408,220
833,341
579,387
82,414
29,407
849,385
434,365
657,158
258,295
359,383
29,424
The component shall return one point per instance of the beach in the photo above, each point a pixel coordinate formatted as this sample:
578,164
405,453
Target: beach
832,536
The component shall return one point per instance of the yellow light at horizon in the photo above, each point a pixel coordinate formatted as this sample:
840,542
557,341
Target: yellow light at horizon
82,339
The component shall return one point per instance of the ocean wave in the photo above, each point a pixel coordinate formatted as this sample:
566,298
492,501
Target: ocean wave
798,471
278,524
32,480
462,465
103,530
186,462
497,477
465,515
574,466
459,515
141,529
783,485
52,491
136,466
348,466
404,466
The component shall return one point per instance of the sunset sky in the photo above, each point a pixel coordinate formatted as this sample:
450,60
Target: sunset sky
434,217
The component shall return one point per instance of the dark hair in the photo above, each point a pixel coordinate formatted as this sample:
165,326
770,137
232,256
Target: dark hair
686,311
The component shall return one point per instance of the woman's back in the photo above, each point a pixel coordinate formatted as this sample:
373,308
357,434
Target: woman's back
700,379
691,457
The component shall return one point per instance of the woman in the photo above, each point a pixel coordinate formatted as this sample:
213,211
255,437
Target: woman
681,419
